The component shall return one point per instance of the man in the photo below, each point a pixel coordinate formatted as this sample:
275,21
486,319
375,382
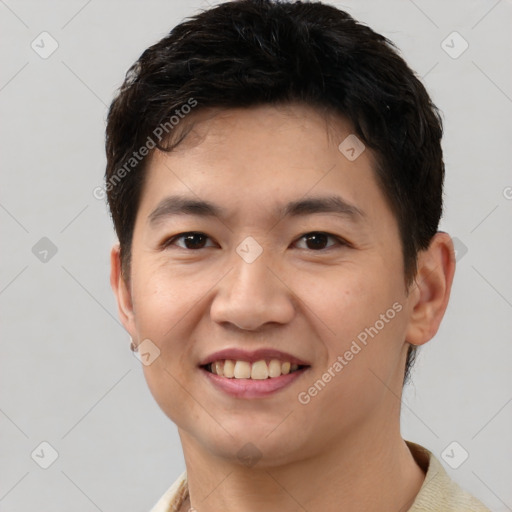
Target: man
275,179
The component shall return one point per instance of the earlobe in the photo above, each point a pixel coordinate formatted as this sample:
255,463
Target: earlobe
433,282
121,291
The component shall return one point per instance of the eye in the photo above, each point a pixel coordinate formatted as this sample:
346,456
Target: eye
193,240
316,240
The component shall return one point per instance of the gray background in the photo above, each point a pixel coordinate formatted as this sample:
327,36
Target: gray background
67,376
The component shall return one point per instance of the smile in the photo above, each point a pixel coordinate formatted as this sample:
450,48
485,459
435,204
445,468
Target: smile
260,379
258,370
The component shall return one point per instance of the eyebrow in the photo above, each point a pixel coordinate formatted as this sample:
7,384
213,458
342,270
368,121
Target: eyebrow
183,205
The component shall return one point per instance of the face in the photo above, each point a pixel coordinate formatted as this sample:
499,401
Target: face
302,262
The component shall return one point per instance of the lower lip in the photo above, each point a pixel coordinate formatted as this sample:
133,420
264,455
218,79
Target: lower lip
249,388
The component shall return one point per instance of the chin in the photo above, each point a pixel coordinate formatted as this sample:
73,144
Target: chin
255,447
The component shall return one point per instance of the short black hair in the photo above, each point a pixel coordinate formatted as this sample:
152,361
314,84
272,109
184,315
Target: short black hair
246,53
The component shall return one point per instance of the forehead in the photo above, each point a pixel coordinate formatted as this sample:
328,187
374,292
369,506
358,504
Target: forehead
260,159
210,127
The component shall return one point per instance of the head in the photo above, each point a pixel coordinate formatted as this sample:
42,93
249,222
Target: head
253,105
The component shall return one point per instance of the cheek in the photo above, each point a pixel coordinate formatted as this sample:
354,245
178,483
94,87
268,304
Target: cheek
361,352
166,310
162,299
361,315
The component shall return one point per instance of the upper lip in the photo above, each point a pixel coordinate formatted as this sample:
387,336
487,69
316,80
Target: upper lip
238,354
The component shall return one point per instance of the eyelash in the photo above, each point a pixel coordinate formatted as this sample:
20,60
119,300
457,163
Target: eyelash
170,241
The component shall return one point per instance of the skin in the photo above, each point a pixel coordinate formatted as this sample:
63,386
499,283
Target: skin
343,450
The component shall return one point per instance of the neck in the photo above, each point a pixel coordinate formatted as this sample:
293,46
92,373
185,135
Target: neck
371,469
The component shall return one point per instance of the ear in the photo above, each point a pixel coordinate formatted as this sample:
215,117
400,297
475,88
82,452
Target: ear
122,292
431,289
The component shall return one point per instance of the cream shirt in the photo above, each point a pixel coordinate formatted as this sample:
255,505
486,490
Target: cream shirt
439,493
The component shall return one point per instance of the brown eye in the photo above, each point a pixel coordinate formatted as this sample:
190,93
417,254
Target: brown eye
191,240
317,240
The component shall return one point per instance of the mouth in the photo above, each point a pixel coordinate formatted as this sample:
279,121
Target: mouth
257,374
257,370
261,364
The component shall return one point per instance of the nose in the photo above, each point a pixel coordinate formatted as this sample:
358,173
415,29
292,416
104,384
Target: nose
252,295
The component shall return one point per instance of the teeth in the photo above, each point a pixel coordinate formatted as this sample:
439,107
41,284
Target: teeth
259,370
218,368
274,368
229,369
242,370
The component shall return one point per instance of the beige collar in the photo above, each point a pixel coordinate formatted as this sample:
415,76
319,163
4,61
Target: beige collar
438,491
